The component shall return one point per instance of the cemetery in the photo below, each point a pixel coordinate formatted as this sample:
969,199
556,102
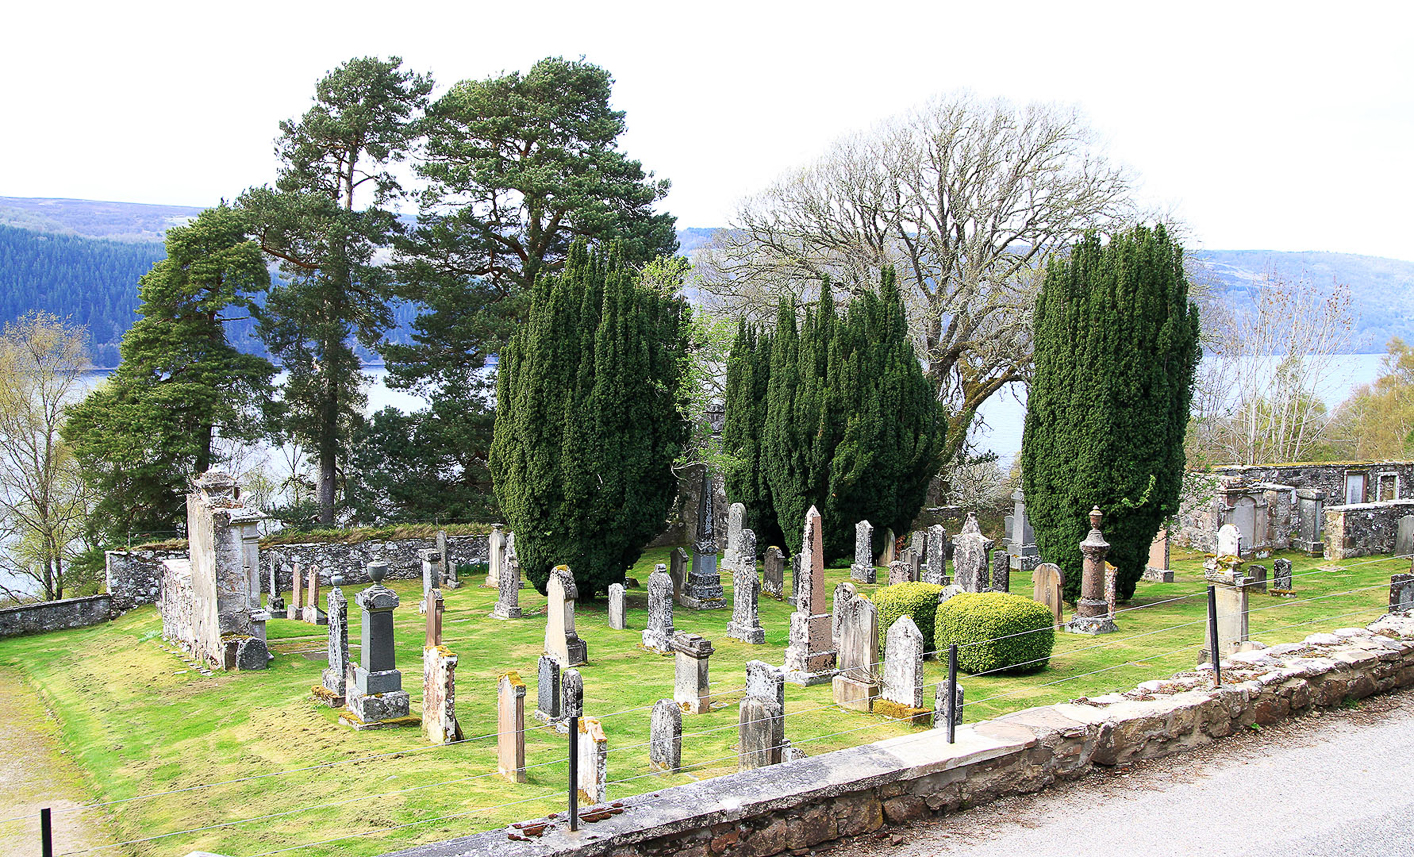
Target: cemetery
670,686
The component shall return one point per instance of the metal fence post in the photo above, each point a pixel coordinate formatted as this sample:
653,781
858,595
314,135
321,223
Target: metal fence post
574,773
1213,635
46,835
951,707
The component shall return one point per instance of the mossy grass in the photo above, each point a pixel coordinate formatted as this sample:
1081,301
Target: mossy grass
137,719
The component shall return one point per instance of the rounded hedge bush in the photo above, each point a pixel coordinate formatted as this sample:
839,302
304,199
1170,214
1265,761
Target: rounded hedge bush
919,600
990,628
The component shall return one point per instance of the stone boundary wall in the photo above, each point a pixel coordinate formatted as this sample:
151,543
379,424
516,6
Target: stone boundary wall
800,804
56,615
135,576
1364,528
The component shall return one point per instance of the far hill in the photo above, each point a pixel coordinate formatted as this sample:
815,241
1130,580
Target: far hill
116,221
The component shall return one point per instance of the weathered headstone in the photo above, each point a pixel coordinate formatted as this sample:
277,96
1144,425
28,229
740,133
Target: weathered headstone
593,761
507,590
665,737
1092,611
691,686
449,568
561,641
433,632
296,608
758,724
766,681
935,567
863,568
1258,575
1001,571
658,636
313,614
918,543
794,580
736,517
890,551
617,607
439,692
431,574
1401,593
845,592
899,572
1232,613
945,708
571,694
333,677
677,570
703,589
1404,537
1111,590
1310,506
1229,541
377,696
1021,536
970,556
1046,588
746,620
809,657
773,573
1281,576
912,561
496,558
949,591
510,727
276,604
1157,568
549,699
902,694
1007,526
857,641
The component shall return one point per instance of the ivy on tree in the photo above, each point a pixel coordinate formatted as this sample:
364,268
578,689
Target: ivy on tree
1116,351
589,419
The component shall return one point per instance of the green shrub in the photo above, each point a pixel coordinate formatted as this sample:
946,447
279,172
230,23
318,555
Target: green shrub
919,600
990,628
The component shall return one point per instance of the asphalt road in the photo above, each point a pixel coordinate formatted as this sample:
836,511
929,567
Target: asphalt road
1334,783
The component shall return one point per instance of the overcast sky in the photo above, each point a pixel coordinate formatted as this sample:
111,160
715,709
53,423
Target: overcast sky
1279,126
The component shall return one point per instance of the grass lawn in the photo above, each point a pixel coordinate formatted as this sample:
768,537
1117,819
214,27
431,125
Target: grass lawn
137,719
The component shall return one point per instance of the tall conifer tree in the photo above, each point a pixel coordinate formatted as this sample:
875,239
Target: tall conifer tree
1116,351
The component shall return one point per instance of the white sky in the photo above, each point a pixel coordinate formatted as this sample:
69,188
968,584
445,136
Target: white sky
1281,126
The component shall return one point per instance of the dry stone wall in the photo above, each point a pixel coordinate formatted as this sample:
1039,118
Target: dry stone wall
1364,528
56,615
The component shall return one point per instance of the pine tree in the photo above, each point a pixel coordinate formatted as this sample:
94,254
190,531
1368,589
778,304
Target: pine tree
588,421
1116,351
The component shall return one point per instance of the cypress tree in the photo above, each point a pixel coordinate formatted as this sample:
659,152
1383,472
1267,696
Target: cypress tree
1116,344
747,389
588,422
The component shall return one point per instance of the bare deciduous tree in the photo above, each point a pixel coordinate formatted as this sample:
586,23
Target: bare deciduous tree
964,198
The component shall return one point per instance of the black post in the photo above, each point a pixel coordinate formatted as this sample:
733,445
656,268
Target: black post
574,773
951,707
1213,635
46,836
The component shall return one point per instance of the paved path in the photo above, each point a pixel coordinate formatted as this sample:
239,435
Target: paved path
34,774
1337,783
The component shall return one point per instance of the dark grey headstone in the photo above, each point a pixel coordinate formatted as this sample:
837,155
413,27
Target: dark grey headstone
252,654
547,691
573,687
1404,538
665,737
1401,593
1281,574
1001,571
773,573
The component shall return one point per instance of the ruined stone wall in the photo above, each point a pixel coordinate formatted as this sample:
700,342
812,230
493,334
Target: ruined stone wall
1364,528
801,804
352,560
1331,477
56,615
135,576
176,604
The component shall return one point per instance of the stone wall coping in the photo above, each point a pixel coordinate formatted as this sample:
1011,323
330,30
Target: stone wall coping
84,599
1379,504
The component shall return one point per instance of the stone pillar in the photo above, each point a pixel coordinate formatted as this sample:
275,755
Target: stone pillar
617,607
507,590
496,556
665,737
1281,576
935,567
1046,587
561,642
944,708
439,695
593,761
736,518
296,608
1111,590
773,573
1232,614
435,605
809,657
858,645
766,681
377,695
691,687
658,636
510,727
333,677
703,589
1092,611
757,726
746,621
902,695
863,568
677,570
549,701
970,556
1001,571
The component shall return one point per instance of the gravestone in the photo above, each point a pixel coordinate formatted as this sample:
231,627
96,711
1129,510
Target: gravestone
1022,548
677,570
296,608
703,588
945,708
1229,541
857,641
334,676
593,761
890,551
918,543
496,557
439,689
809,657
549,699
1007,524
1046,585
617,607
949,591
1404,538
658,636
935,566
766,681
1157,568
970,556
312,613
431,574
1111,590
1092,611
736,516
665,737
561,642
794,580
746,621
508,590
773,573
571,694
1258,576
1232,613
844,593
863,568
432,635
901,696
276,604
691,686
449,568
510,727
1001,571
899,572
1401,593
377,696
758,723
1281,576
911,561
1310,508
